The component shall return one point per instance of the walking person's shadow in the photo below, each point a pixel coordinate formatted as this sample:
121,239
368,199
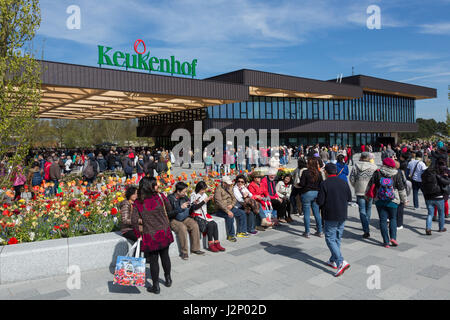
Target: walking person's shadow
300,255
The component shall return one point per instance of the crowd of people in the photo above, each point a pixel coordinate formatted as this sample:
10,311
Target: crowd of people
257,202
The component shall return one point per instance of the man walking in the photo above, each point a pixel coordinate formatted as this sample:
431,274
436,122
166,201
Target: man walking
415,169
333,198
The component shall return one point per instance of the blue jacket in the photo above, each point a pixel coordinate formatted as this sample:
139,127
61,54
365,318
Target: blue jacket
344,172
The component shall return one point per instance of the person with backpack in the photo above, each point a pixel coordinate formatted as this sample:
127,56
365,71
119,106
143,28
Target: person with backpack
387,188
90,169
415,169
140,168
342,168
127,165
359,178
35,177
333,197
435,186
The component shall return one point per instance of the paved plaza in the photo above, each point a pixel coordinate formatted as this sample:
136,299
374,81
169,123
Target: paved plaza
280,264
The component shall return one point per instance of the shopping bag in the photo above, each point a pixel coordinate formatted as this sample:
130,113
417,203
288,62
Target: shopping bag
268,212
130,271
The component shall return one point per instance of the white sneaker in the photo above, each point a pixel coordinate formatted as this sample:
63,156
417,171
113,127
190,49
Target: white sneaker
400,228
344,266
332,264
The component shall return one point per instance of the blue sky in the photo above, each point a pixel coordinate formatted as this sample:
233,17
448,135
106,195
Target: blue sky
313,39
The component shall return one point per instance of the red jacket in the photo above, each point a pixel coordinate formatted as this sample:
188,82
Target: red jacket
265,185
258,190
47,166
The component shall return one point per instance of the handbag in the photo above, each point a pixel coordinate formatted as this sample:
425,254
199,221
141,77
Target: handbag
201,224
410,176
130,271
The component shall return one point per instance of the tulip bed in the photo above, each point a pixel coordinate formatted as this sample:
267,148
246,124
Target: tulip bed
77,210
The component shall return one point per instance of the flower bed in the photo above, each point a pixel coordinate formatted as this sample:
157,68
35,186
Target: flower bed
77,210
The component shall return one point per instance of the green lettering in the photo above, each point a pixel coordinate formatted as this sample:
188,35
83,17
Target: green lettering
127,61
163,62
150,63
103,55
183,68
174,62
118,55
142,61
194,64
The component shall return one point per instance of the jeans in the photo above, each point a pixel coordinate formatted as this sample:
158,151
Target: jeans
55,187
333,236
308,201
293,198
229,222
416,186
217,167
388,213
400,212
365,211
439,204
251,221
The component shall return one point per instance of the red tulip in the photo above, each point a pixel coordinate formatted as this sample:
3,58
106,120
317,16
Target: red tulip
13,240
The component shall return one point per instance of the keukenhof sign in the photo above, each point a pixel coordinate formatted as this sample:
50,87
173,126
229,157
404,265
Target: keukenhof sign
144,61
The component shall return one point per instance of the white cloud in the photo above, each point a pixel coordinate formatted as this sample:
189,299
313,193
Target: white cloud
442,28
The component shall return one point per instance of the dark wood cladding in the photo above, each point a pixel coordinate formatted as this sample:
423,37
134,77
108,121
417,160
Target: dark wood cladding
305,126
389,86
163,130
284,82
70,75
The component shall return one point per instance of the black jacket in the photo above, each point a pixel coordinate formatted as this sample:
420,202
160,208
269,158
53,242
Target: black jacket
333,198
432,184
176,205
149,166
307,184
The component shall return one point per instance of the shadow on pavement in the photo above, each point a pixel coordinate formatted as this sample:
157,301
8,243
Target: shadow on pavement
304,257
115,288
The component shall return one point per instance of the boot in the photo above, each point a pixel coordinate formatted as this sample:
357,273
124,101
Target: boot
212,247
218,246
155,288
168,280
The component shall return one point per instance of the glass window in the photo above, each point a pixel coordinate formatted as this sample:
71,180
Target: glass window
298,102
210,112
269,108
237,110
321,109
274,108
338,138
287,108
310,110
351,138
358,139
230,111
262,108
341,110
304,109
363,138
332,139
293,112
315,109
216,111
255,109
280,108
223,111
249,106
345,138
325,109
345,109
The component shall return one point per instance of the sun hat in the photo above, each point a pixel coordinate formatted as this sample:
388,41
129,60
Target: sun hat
227,180
389,162
272,172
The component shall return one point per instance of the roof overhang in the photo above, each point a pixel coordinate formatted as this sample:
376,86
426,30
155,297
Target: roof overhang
81,92
384,86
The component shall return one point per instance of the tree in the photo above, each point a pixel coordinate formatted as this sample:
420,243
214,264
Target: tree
19,77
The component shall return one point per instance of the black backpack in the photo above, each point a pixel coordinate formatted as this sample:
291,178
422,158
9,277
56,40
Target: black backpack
429,183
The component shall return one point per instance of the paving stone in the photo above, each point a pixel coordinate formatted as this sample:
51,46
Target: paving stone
267,267
412,254
52,295
432,292
434,272
334,291
323,280
207,287
25,294
404,246
397,292
370,260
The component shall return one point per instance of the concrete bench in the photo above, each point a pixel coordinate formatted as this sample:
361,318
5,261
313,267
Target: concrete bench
43,259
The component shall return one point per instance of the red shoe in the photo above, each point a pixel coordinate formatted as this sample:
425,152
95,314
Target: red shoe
218,246
212,247
394,242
